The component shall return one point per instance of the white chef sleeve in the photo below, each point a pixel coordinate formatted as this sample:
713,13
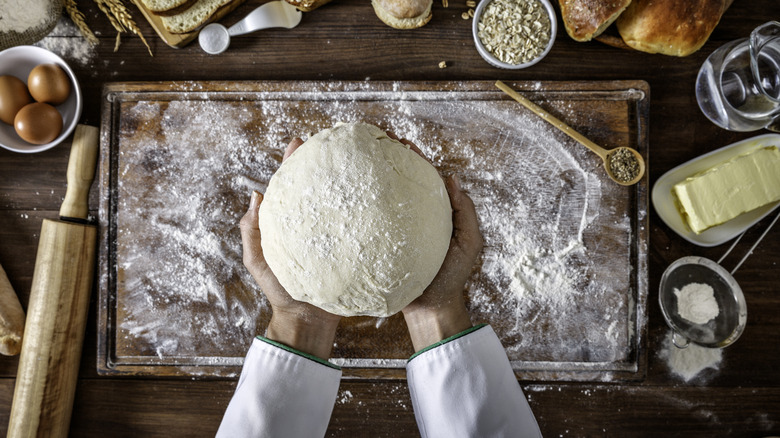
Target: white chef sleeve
464,386
281,393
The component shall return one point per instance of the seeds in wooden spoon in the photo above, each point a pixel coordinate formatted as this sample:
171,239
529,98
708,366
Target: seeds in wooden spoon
623,165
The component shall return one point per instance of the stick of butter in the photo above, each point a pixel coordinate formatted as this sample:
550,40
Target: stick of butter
729,189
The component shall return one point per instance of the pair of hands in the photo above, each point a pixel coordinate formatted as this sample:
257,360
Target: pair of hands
438,313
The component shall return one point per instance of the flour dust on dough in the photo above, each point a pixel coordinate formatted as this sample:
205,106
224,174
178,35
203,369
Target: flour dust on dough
355,222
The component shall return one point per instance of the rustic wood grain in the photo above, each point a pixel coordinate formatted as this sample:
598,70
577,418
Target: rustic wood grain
345,41
159,409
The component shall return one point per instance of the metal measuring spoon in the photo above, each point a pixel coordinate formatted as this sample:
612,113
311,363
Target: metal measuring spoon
215,38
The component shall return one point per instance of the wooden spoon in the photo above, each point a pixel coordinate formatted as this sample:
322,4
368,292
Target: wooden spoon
607,156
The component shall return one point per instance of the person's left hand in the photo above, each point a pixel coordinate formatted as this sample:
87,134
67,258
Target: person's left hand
294,323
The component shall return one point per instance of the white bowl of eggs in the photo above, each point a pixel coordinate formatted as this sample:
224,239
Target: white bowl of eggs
40,99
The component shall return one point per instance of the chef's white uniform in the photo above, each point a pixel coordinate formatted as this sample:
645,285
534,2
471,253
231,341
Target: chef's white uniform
462,386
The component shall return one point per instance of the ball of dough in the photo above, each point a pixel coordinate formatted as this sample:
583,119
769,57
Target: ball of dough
355,222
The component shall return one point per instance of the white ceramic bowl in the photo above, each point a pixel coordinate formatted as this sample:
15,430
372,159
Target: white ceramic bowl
664,202
492,60
19,61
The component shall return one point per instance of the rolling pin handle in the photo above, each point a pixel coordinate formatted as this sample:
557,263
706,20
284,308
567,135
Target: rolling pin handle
81,172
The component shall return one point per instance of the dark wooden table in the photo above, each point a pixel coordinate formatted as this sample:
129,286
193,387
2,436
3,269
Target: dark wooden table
345,41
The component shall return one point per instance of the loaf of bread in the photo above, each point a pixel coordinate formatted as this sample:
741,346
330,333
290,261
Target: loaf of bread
403,14
195,16
585,19
167,7
307,5
670,27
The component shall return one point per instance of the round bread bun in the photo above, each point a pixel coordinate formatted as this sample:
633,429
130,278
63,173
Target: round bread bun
403,14
670,27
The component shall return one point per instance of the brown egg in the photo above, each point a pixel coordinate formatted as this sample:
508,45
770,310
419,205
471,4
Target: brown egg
48,83
13,96
38,123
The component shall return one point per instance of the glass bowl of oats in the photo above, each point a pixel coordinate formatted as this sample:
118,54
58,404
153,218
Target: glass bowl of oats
514,34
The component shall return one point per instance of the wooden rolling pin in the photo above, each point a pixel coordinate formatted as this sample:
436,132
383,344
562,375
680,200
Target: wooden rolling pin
59,300
11,318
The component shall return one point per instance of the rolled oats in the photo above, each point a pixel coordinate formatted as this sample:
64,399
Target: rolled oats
514,31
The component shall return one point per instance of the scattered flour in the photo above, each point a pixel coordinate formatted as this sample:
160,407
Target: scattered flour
344,397
544,213
555,280
177,271
696,303
66,41
689,362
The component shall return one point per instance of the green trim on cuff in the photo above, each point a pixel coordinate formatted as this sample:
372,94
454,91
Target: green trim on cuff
444,341
298,352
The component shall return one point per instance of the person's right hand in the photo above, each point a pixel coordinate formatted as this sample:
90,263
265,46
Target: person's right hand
440,312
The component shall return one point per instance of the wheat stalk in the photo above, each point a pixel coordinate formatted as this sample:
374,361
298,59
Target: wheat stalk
117,14
104,7
78,19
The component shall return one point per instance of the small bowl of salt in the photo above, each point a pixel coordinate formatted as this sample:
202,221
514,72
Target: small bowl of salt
702,303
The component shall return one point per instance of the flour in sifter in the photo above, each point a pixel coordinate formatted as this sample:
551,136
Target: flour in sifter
696,303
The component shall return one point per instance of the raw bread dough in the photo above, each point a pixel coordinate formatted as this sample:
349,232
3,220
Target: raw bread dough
355,222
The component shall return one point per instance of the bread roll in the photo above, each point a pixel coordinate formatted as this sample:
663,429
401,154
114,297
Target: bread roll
167,7
585,19
670,27
403,14
195,16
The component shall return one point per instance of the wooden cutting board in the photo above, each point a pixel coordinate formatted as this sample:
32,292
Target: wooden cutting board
179,40
562,279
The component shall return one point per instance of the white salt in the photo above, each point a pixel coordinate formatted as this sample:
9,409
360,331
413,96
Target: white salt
214,39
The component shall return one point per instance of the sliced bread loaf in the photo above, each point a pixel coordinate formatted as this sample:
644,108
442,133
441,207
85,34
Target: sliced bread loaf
307,5
167,7
195,16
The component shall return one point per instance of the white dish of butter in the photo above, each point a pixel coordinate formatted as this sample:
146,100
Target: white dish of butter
667,205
